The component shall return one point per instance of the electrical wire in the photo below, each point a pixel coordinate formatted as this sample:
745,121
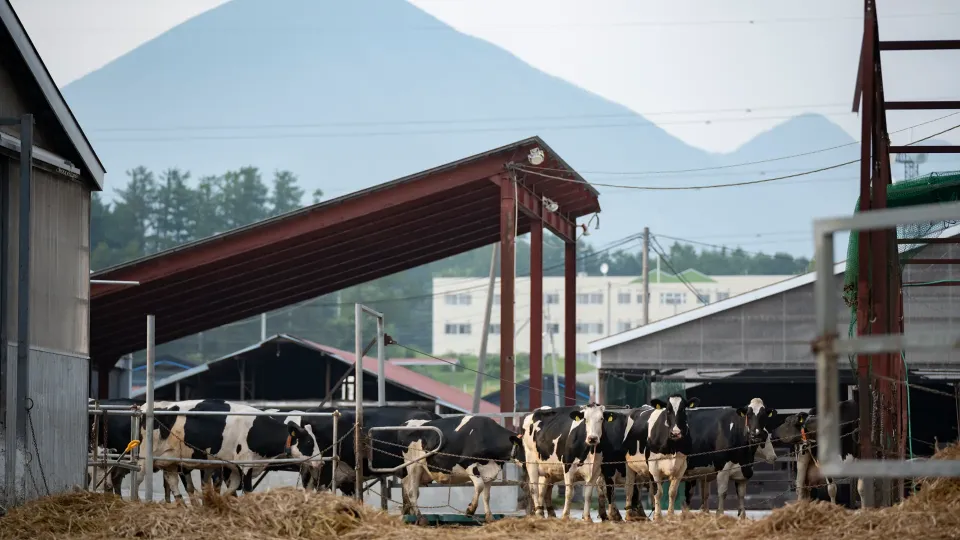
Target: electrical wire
757,162
666,260
715,186
719,246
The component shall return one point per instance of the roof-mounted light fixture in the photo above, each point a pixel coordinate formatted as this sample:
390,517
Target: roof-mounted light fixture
535,157
550,205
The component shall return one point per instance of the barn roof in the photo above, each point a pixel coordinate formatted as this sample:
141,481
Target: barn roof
51,94
728,304
322,248
412,381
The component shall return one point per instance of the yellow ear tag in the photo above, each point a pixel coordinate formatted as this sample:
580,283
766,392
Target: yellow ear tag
741,413
770,414
657,406
801,420
609,419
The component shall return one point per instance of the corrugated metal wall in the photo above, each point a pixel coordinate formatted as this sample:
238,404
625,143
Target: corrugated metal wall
59,263
776,332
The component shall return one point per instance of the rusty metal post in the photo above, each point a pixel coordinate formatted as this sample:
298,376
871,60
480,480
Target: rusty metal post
508,216
867,73
570,323
536,314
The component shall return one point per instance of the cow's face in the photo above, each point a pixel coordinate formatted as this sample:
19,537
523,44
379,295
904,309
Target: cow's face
766,451
756,418
792,429
299,442
674,415
592,416
517,454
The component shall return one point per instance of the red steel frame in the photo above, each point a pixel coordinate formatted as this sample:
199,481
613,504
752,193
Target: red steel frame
879,291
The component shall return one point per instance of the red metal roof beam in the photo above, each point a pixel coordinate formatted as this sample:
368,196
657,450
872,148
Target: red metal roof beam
939,149
921,45
922,105
532,204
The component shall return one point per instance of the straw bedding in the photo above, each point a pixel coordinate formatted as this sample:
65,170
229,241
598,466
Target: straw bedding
933,513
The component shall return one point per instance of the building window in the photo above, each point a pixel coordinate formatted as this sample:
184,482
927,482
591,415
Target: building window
462,299
596,298
623,326
553,328
553,298
589,328
704,298
454,329
673,298
623,298
495,328
347,389
583,299
640,298
589,298
722,295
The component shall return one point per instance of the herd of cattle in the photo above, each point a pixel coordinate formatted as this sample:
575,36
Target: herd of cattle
670,440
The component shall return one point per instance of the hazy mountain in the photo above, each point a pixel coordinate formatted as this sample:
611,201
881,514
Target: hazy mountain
350,94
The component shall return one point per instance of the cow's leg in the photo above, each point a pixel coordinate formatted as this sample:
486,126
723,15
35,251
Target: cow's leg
488,474
832,490
674,490
477,489
587,495
569,476
551,512
628,484
536,492
411,484
612,509
723,484
741,498
545,494
601,486
688,495
860,490
704,494
234,481
802,463
655,495
186,477
171,477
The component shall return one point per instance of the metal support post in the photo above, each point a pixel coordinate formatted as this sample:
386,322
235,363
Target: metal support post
135,457
484,337
335,454
646,275
536,315
148,417
381,366
570,323
508,216
358,395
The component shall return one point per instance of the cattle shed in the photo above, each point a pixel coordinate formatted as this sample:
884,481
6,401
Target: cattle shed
758,344
285,371
490,197
47,173
523,393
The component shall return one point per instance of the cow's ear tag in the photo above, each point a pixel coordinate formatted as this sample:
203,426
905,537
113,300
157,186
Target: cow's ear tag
801,420
692,405
610,419
741,413
770,414
657,406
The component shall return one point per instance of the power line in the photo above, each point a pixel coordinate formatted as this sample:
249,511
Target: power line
719,246
745,110
758,162
715,186
660,252
494,129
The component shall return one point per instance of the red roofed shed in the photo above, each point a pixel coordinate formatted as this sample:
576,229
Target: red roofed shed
353,239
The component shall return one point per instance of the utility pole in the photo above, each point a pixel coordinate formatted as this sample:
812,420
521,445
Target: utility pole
646,275
553,361
482,359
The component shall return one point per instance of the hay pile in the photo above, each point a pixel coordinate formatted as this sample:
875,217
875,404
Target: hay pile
933,513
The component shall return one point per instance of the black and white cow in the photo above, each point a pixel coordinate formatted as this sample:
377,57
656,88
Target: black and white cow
725,444
113,433
225,438
473,449
564,444
386,444
800,430
658,443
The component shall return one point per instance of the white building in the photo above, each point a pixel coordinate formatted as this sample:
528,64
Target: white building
459,303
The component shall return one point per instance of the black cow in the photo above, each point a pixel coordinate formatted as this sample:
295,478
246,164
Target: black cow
564,444
473,449
386,444
800,430
724,445
658,443
224,438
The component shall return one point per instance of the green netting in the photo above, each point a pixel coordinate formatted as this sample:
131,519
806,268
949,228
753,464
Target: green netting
930,189
634,393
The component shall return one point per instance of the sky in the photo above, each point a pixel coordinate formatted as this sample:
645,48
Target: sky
666,60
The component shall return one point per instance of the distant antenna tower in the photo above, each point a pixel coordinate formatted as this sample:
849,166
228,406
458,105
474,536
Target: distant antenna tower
911,164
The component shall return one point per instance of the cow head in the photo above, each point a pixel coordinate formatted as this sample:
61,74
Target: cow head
299,442
674,415
592,416
766,451
517,454
793,429
756,416
614,430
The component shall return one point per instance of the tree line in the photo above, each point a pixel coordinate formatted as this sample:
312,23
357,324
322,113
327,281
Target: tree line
155,212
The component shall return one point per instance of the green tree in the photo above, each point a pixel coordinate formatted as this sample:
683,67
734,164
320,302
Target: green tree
287,196
317,195
243,198
134,208
206,208
173,216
